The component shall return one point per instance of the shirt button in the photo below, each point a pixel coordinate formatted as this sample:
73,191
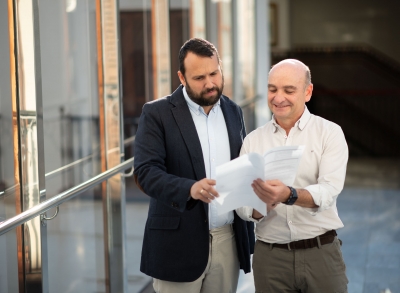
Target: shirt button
290,222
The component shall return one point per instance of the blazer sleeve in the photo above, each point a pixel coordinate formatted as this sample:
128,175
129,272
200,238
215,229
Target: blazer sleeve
250,224
150,153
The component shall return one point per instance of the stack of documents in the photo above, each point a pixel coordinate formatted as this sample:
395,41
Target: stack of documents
234,178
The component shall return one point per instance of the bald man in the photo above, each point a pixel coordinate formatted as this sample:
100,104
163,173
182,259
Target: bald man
297,248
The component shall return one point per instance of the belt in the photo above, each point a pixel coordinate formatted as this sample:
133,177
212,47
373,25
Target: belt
325,238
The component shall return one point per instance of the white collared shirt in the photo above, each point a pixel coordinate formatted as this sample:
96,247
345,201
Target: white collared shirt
214,141
322,172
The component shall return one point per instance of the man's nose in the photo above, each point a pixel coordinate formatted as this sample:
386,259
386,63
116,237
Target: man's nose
209,82
279,97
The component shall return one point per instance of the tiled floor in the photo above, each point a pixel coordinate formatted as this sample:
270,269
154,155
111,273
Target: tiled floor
369,207
371,240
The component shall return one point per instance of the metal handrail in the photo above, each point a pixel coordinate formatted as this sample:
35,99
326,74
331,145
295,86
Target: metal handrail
62,197
127,141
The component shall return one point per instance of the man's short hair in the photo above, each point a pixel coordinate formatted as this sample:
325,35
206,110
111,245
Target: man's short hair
308,76
199,47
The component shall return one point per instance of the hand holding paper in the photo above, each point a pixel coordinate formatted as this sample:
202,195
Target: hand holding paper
234,178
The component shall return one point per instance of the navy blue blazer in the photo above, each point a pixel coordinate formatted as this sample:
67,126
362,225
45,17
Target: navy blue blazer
168,161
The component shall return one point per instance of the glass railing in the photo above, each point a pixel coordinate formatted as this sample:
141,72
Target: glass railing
40,209
9,261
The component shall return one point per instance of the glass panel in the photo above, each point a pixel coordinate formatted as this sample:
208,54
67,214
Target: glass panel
136,55
9,187
198,19
137,66
161,48
179,33
69,66
245,87
76,245
7,163
8,261
114,201
246,27
225,43
70,92
136,216
137,85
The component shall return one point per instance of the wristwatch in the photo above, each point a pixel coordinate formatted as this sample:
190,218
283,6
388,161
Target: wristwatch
292,197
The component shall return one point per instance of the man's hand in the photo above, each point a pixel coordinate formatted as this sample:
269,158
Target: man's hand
271,192
204,190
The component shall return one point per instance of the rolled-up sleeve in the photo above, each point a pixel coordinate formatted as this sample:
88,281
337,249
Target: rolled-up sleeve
332,170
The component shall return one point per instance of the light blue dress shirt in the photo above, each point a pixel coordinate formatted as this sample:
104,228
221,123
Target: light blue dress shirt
214,141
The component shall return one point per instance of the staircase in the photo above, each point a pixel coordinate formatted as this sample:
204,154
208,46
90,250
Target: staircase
358,88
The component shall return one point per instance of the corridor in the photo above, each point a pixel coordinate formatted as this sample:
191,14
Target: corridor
368,206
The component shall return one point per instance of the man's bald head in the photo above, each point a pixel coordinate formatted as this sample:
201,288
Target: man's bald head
296,65
289,89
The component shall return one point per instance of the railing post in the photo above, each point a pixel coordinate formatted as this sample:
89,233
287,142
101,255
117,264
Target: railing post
29,80
110,104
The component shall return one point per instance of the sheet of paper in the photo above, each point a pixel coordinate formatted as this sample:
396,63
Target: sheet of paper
282,162
234,178
234,183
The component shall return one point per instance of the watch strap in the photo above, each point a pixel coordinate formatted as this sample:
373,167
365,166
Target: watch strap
292,197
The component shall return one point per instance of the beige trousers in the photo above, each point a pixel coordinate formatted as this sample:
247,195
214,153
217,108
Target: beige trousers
222,270
313,270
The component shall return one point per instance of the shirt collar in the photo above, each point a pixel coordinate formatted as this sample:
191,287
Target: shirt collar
304,118
301,123
275,124
197,109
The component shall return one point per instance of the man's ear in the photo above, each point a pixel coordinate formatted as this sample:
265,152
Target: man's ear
182,78
309,90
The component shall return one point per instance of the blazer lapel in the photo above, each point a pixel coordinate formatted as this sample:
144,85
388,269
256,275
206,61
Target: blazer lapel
188,130
232,121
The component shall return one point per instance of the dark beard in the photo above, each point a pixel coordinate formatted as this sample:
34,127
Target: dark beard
200,100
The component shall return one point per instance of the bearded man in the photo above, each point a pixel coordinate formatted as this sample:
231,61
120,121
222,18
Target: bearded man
181,139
